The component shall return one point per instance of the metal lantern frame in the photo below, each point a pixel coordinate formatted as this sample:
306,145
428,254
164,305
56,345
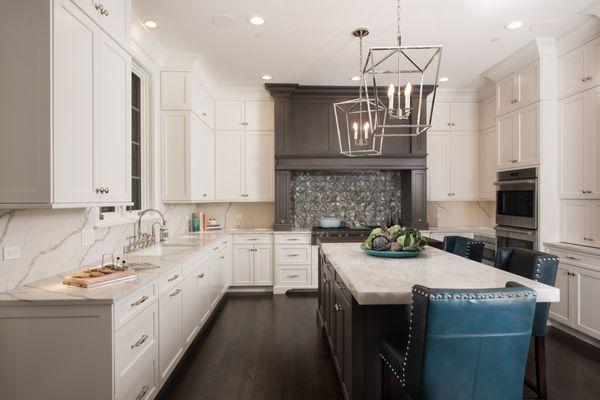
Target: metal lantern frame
359,141
416,124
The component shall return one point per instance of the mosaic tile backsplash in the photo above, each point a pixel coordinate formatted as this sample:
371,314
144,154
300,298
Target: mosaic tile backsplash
357,198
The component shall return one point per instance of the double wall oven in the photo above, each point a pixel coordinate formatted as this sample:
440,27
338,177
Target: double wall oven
517,208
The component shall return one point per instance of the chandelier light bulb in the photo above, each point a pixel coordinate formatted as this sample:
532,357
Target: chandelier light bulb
407,91
366,129
355,127
391,91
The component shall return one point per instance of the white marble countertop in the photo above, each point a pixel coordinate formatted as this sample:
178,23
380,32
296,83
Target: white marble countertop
573,247
51,291
373,280
480,230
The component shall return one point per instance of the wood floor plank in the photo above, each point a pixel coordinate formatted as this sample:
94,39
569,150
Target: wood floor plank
265,347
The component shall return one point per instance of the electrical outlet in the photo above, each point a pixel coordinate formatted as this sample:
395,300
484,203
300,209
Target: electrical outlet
88,237
12,252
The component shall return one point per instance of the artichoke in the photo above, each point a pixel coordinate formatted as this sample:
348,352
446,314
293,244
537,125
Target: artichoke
395,246
381,243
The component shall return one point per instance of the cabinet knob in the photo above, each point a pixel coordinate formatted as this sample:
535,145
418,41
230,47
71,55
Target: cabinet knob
105,12
204,114
106,190
324,280
201,276
203,194
338,307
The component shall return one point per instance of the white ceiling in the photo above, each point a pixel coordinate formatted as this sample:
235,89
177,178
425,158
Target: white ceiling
309,41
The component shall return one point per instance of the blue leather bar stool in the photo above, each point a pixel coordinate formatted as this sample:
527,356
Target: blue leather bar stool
540,267
464,247
462,344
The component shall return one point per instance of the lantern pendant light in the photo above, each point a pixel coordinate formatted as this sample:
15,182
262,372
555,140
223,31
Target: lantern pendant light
353,120
406,76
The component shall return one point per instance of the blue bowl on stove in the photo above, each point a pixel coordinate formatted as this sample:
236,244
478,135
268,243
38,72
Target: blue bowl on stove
330,223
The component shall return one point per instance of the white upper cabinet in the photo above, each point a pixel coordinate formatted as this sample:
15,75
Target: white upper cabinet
579,69
518,90
115,122
579,124
69,132
230,166
113,16
260,166
453,166
460,116
518,138
255,115
182,91
488,113
489,164
188,166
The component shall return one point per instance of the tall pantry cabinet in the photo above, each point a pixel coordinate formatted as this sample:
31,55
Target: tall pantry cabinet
66,135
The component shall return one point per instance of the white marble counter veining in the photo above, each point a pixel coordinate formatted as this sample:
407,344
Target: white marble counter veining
51,291
480,230
373,280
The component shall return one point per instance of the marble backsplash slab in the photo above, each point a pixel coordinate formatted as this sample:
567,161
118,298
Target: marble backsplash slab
357,198
50,240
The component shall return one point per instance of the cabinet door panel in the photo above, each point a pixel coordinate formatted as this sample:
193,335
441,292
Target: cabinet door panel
115,121
506,128
438,166
505,95
263,265
575,221
260,166
229,165
229,115
116,20
561,311
592,143
202,293
202,161
572,127
243,266
213,281
528,144
529,84
441,115
465,116
587,319
74,70
488,113
573,67
464,161
594,224
259,115
489,164
170,335
189,306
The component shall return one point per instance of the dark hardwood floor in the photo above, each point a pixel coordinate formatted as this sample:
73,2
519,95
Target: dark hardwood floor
267,347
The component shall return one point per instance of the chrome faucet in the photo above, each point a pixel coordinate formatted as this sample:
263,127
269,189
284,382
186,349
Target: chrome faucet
142,240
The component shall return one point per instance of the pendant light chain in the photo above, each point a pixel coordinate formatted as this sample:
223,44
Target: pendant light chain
398,21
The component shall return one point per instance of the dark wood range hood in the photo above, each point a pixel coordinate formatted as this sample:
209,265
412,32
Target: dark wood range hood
306,139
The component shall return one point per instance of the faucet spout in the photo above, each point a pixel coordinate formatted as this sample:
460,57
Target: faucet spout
142,213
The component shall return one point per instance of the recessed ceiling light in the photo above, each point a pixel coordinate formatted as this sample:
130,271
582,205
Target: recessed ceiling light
256,20
515,25
266,77
444,79
151,24
355,78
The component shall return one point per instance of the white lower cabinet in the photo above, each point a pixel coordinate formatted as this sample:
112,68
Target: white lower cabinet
578,279
293,262
253,265
170,331
580,222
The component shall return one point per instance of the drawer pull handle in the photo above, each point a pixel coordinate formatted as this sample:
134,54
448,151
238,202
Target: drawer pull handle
325,280
292,276
338,307
201,275
293,255
140,301
225,242
140,342
142,393
174,277
252,239
216,248
175,293
293,239
339,286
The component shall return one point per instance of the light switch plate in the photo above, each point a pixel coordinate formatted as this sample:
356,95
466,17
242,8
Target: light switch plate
12,252
88,237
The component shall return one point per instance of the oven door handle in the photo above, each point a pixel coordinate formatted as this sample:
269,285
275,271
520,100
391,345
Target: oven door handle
499,183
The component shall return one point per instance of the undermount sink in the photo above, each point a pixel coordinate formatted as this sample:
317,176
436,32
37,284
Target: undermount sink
160,251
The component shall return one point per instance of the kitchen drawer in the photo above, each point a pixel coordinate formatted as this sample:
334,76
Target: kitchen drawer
292,238
292,255
253,239
142,383
169,279
132,342
293,277
576,258
135,303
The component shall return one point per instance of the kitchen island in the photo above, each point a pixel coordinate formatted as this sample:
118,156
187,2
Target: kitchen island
363,297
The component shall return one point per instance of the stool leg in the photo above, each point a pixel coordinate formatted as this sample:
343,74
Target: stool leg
385,383
540,366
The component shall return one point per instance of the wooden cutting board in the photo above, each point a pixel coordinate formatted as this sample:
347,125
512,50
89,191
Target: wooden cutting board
108,276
